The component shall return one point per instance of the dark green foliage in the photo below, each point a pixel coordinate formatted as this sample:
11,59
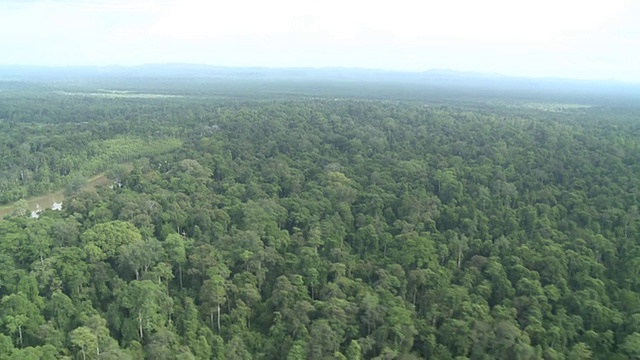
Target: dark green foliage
319,229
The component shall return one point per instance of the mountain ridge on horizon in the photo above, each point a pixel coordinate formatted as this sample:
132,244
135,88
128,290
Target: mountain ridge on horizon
335,73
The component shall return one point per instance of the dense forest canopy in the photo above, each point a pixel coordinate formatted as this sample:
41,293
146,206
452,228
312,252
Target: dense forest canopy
274,224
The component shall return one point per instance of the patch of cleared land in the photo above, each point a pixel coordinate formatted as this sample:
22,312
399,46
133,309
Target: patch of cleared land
119,94
46,201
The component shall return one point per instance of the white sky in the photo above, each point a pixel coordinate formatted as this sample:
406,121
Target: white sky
559,38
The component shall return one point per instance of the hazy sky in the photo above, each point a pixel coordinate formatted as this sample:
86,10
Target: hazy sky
560,38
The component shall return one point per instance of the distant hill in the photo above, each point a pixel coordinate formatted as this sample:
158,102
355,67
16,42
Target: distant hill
330,73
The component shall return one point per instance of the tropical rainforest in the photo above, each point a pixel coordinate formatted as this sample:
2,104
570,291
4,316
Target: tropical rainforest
286,226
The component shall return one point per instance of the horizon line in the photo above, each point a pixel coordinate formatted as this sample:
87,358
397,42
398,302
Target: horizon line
449,71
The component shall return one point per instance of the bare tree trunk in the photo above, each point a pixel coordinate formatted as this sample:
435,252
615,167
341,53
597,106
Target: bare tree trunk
218,318
140,324
180,273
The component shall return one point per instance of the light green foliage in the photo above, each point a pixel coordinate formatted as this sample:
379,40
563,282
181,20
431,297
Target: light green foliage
354,351
86,341
297,351
580,351
104,241
631,346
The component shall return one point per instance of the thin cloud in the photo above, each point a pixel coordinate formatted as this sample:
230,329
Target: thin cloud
542,38
97,5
